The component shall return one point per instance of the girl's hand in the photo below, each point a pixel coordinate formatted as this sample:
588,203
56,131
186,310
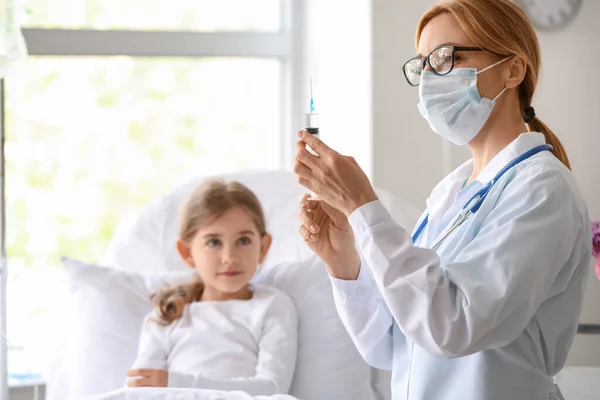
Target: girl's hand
336,179
329,235
148,378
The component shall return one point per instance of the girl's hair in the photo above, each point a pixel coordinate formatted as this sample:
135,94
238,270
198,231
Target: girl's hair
501,27
207,202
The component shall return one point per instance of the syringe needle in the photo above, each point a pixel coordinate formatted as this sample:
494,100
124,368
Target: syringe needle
312,103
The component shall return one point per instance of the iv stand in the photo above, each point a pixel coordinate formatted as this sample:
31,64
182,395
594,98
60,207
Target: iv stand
3,260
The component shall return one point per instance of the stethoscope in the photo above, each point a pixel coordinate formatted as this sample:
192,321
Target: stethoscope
473,205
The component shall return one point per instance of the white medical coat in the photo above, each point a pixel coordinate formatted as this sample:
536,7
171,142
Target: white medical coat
492,314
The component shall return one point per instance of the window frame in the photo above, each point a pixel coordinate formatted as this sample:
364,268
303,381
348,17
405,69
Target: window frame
287,45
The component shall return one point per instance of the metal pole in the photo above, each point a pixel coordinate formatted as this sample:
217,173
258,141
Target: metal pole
3,261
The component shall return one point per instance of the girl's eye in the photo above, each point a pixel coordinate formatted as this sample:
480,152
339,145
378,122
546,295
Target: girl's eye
244,240
213,243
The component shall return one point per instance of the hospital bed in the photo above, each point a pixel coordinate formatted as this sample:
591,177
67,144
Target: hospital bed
109,301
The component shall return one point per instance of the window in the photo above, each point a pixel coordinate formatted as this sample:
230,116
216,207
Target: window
179,15
119,101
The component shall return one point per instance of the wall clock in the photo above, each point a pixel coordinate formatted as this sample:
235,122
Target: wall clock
550,14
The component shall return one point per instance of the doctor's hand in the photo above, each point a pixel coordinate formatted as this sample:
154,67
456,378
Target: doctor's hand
336,179
148,378
329,235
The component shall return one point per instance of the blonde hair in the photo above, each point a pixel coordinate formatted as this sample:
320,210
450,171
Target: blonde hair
501,27
208,202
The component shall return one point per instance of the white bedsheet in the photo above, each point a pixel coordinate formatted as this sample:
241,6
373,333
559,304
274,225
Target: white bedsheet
182,394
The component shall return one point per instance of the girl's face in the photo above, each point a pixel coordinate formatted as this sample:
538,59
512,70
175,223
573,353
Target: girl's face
226,253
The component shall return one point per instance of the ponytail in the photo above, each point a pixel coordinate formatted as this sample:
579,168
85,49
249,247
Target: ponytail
170,302
559,151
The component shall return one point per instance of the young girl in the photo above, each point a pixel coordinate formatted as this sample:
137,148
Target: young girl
220,332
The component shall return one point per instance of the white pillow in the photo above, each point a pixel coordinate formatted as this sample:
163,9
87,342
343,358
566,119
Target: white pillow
328,367
145,239
109,307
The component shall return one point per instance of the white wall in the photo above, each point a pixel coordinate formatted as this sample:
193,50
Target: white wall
409,160
407,156
568,102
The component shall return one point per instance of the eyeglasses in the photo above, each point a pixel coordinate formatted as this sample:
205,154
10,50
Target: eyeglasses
440,60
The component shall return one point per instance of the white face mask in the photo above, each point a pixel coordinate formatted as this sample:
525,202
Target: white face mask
452,104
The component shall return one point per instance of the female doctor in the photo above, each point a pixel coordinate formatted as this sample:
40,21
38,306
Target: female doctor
482,301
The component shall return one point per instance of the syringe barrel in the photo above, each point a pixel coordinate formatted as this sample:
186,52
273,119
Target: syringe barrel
311,123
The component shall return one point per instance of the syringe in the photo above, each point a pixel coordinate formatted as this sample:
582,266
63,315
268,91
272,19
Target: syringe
311,124
311,121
